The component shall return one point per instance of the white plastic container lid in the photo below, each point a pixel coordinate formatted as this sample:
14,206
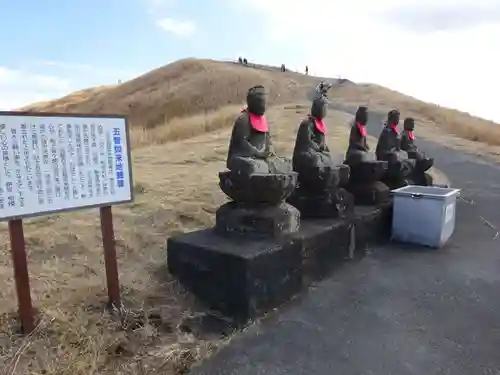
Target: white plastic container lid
432,192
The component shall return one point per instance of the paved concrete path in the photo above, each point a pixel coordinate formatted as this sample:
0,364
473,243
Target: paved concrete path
396,312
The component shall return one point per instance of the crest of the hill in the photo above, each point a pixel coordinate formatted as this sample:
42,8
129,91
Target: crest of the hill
181,89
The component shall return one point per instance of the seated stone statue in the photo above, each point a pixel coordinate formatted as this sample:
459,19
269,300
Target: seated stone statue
311,150
366,172
407,136
408,140
389,149
358,150
250,149
320,179
408,144
258,181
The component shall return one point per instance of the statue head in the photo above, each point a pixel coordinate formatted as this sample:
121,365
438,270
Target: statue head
323,87
256,100
319,107
361,115
393,117
409,124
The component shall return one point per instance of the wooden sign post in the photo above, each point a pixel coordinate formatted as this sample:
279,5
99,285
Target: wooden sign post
111,264
54,163
21,276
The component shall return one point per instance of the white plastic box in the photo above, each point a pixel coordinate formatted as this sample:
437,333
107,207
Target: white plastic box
424,215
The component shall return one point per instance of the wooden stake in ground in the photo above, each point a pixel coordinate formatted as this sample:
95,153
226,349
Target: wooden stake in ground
20,264
111,264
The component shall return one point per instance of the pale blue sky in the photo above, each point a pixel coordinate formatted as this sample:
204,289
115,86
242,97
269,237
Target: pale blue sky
423,48
122,33
62,45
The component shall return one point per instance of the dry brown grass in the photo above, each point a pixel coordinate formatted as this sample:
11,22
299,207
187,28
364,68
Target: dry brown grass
176,191
433,120
185,127
69,101
182,89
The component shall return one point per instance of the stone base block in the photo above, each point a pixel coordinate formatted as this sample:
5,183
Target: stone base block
344,174
244,278
326,243
375,193
266,221
241,277
373,226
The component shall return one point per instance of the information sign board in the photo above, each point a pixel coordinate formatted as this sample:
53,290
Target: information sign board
53,163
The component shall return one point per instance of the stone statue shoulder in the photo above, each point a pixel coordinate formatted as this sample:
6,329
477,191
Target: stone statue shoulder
388,131
244,117
307,122
242,124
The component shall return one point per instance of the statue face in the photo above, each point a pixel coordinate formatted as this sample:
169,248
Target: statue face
393,117
409,124
362,116
256,101
319,108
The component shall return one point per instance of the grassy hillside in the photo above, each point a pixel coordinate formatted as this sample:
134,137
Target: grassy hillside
200,87
431,118
181,89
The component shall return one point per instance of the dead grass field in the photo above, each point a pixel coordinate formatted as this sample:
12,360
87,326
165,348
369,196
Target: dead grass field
450,127
181,89
176,186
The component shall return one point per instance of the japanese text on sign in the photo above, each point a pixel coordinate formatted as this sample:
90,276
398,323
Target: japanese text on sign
50,164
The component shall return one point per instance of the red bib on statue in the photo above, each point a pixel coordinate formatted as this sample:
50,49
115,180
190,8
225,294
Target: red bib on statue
362,129
320,125
259,123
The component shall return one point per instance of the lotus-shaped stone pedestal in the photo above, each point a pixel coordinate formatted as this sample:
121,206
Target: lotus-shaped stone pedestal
258,189
320,194
365,182
258,206
368,171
